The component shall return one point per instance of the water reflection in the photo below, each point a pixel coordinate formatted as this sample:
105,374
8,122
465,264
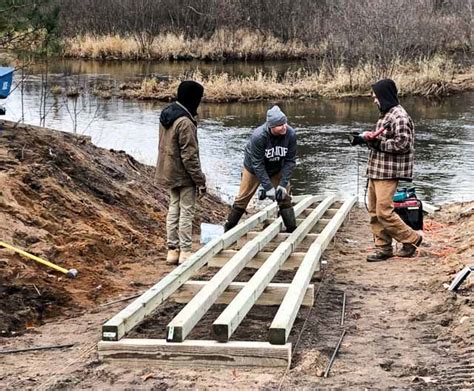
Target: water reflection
444,132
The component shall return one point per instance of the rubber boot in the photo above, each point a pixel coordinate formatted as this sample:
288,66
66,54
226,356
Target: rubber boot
233,218
289,219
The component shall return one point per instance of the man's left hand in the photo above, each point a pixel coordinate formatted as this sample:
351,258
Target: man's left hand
280,193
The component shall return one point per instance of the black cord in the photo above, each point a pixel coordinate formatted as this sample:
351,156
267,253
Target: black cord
365,194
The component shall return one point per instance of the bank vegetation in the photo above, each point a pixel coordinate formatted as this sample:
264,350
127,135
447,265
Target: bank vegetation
438,77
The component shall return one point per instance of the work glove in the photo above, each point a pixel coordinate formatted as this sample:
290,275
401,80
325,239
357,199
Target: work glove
356,139
201,191
280,193
270,193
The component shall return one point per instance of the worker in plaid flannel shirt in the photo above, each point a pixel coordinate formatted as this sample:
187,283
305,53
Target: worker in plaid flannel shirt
390,160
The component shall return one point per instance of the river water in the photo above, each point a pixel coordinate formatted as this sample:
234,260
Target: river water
444,164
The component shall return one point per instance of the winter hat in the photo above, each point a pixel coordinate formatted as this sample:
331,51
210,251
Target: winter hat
190,94
275,117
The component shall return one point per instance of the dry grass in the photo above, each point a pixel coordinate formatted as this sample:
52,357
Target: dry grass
241,44
437,76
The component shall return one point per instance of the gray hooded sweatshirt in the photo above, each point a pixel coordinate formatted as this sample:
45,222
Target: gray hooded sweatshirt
266,155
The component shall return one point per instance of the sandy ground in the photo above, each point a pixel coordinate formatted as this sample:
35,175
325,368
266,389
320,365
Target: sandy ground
404,329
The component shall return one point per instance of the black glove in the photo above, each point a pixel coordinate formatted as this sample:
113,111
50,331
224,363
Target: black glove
356,139
280,193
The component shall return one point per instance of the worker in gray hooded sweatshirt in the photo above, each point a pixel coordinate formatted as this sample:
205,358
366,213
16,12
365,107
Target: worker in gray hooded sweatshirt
270,157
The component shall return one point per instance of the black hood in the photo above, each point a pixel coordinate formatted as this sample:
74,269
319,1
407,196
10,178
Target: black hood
190,94
172,113
386,92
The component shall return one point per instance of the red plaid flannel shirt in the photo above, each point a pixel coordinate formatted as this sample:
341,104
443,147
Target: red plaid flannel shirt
395,156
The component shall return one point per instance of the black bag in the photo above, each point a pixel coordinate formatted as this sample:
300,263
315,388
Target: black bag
411,212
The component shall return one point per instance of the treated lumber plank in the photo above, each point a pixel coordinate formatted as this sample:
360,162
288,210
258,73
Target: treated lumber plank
272,245
329,213
282,236
182,324
115,328
320,221
286,315
272,295
291,263
228,321
428,208
195,352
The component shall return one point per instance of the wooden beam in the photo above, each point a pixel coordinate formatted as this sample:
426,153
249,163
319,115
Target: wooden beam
291,263
282,236
329,213
115,328
273,244
286,315
428,208
272,295
182,324
321,222
228,321
145,352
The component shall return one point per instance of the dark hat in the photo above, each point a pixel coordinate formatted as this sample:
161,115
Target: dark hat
386,92
190,94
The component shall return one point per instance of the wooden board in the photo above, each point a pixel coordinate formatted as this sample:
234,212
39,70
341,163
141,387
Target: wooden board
147,352
272,295
428,208
291,263
272,245
283,322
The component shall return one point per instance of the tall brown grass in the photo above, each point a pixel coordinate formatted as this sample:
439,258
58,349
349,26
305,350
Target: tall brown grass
437,76
241,44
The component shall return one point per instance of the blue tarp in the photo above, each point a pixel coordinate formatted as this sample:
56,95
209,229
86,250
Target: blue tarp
6,76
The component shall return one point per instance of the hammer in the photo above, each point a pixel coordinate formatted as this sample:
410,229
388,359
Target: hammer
71,273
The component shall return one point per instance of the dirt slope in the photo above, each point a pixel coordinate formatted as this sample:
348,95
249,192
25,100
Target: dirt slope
81,207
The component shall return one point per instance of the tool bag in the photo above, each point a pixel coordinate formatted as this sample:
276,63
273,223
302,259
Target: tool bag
409,207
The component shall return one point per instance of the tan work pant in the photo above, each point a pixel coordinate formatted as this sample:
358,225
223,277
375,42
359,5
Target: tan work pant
248,186
179,222
384,222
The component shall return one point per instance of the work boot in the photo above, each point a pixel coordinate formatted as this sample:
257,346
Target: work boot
184,256
408,249
380,254
172,257
233,218
289,219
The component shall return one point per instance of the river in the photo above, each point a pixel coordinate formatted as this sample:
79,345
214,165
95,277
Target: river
326,162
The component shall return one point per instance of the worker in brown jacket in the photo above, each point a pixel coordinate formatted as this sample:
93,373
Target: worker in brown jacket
179,168
391,157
